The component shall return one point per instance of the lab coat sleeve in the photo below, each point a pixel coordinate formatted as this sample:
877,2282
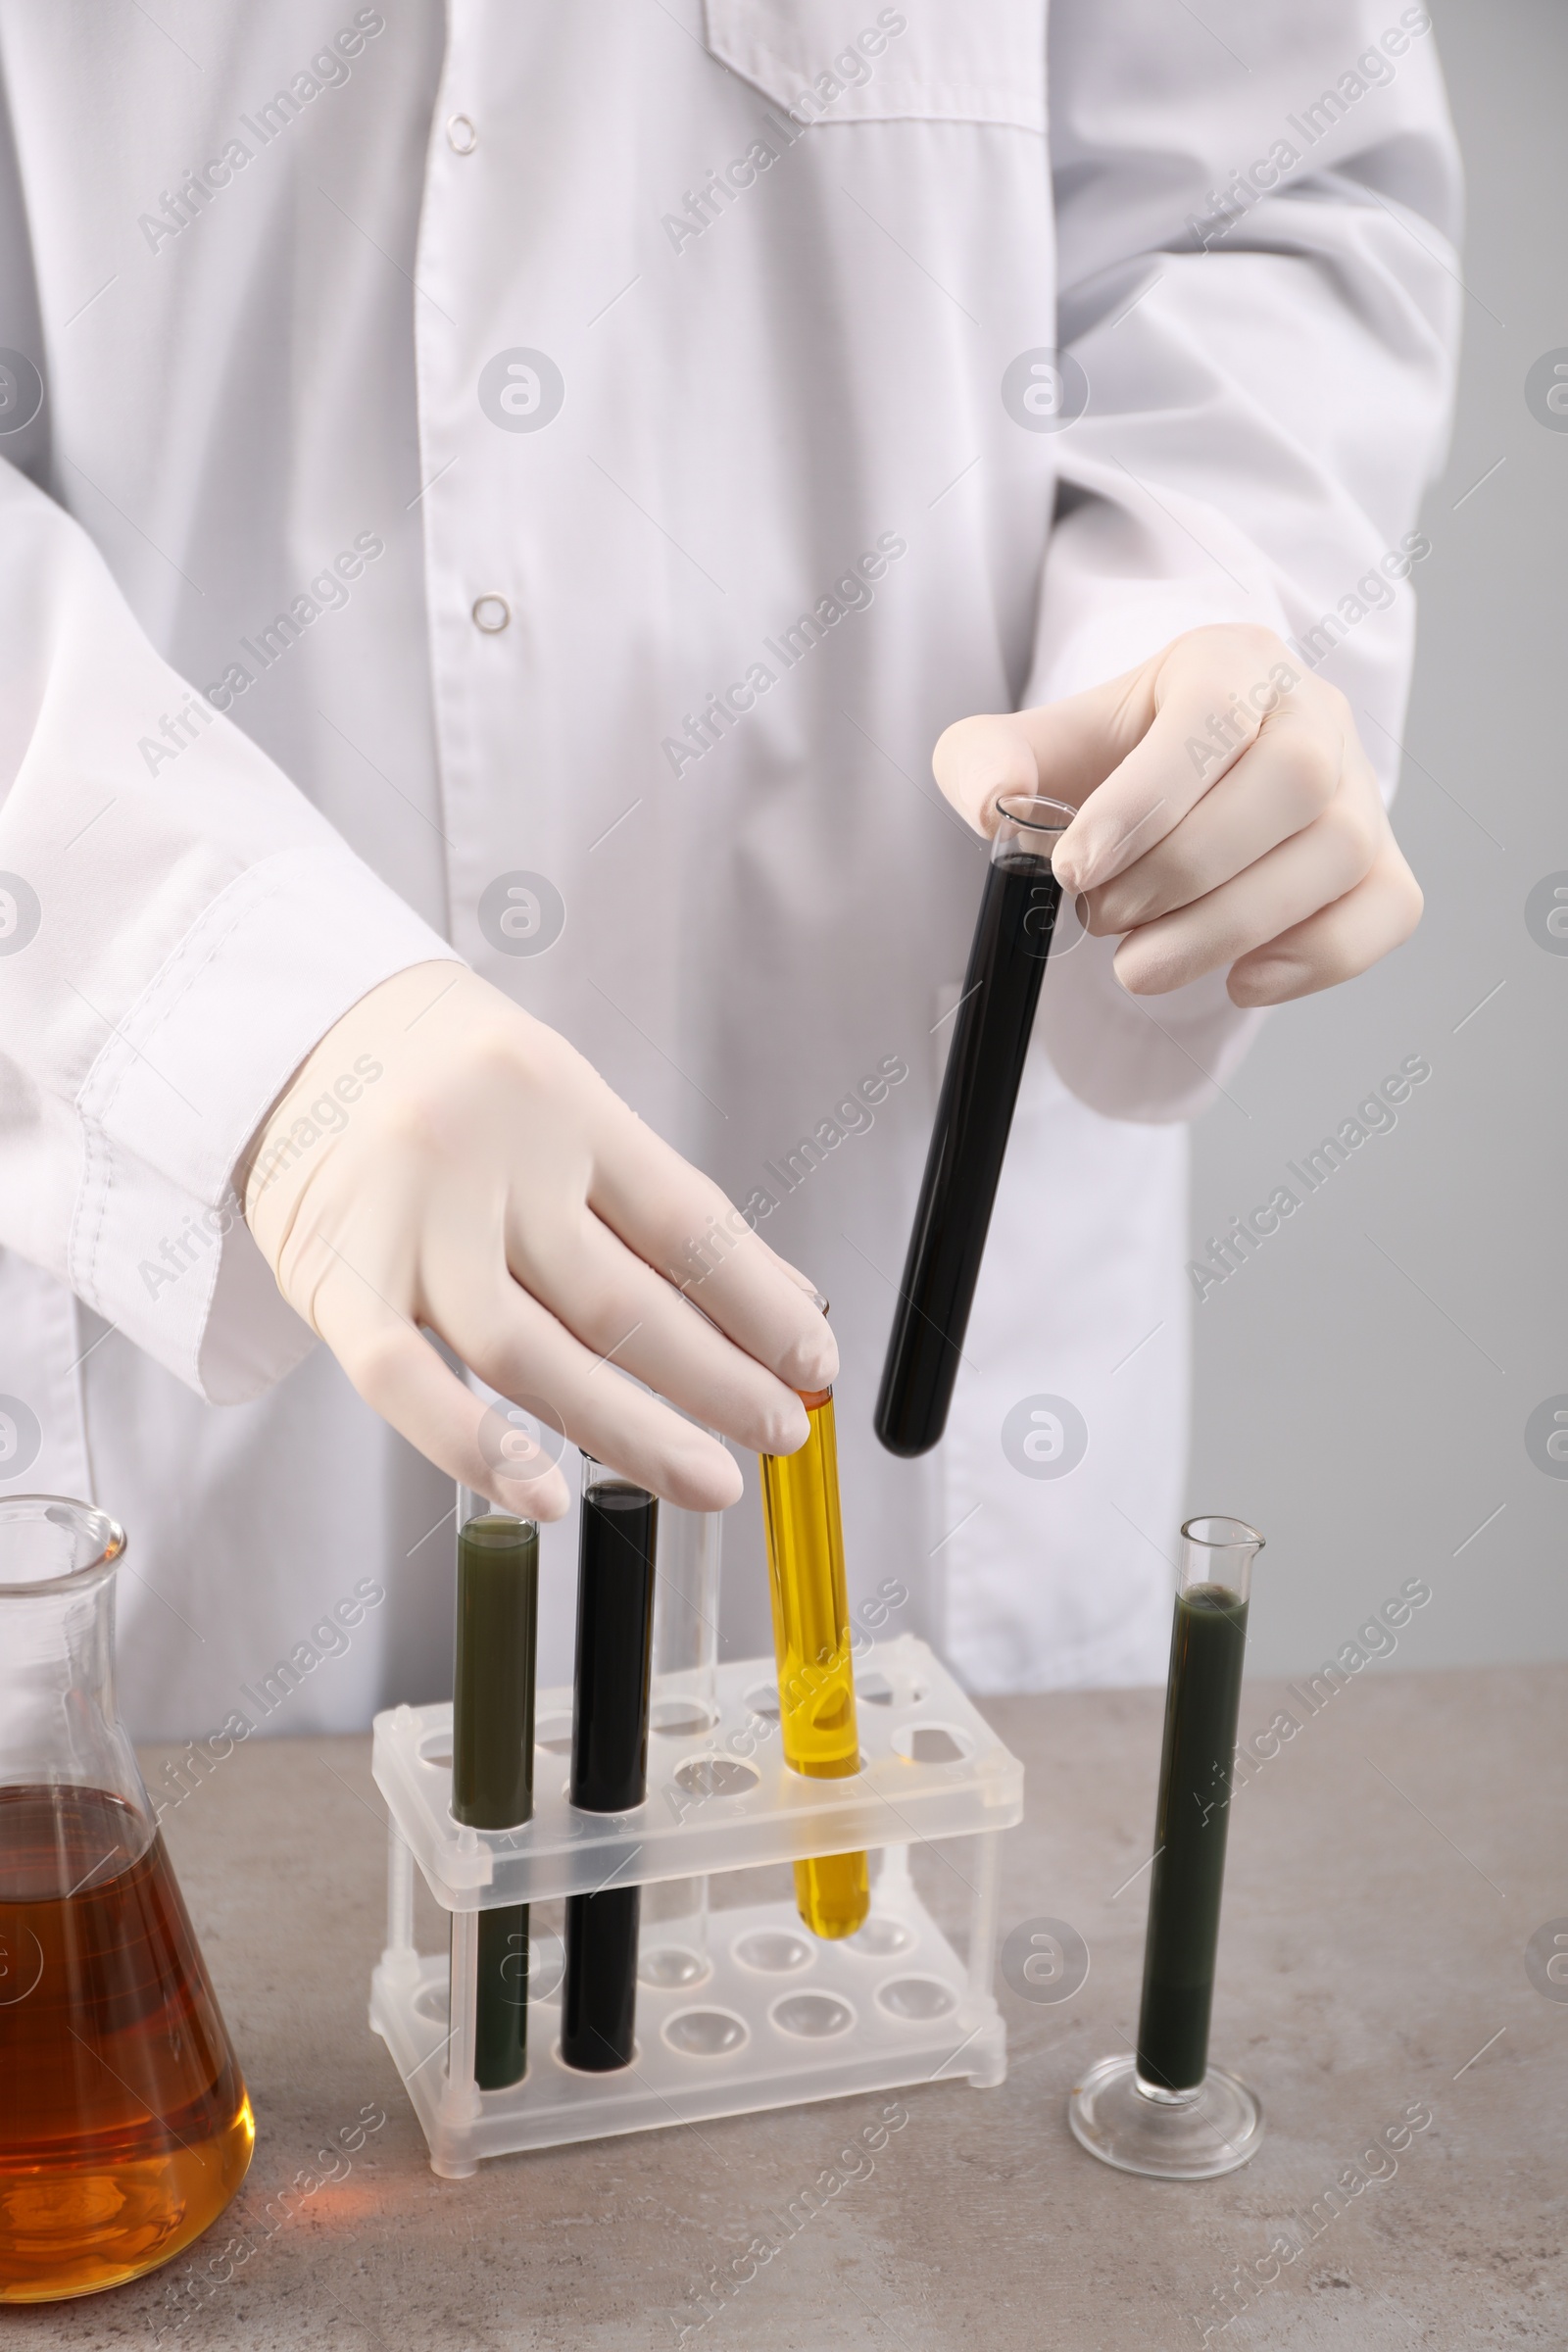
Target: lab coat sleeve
178,929
1256,216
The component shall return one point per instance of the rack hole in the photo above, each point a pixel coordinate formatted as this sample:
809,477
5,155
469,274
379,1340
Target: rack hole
932,1744
435,1750
880,1939
773,1951
704,2033
681,1718
813,2016
918,1997
717,1776
552,1733
671,1966
885,1693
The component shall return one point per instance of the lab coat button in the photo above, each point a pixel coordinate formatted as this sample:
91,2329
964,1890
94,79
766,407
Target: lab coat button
491,613
461,137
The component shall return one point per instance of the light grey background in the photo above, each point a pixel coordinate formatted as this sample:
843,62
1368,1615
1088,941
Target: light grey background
1362,1385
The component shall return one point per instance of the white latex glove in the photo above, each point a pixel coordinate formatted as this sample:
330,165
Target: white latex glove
444,1160
1227,815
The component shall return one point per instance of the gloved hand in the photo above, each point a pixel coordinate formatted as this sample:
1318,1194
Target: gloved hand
443,1159
1227,814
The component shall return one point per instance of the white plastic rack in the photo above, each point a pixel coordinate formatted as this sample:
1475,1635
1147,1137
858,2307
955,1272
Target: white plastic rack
738,2009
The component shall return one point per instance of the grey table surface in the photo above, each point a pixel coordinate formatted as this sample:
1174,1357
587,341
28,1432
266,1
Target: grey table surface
1388,1869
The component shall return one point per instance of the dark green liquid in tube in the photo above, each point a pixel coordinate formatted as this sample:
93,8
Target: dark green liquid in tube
1202,1700
501,2011
492,1760
608,1759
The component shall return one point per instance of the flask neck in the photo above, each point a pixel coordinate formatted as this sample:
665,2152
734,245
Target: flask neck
59,1720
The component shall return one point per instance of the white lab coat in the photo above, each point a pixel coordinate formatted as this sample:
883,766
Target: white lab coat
256,752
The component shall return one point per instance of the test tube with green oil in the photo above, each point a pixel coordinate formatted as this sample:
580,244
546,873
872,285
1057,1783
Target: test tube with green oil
492,1754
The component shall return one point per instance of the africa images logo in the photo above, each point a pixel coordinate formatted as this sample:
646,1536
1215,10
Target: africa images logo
1045,1437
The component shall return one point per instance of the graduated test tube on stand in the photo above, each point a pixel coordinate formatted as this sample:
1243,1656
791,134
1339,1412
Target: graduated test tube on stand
1165,2111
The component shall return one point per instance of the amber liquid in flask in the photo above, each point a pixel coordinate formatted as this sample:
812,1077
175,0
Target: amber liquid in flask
811,1643
124,2127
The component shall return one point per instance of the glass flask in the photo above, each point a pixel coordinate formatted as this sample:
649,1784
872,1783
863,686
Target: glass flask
1163,2110
125,2124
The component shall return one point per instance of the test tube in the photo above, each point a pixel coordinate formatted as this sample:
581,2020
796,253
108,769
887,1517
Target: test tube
811,1643
991,1034
675,1911
1165,2110
492,1754
609,1755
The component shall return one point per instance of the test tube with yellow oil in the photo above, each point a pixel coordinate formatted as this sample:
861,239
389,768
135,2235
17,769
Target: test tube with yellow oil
811,1643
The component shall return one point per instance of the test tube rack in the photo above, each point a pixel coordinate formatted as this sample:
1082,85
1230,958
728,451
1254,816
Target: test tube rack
769,2015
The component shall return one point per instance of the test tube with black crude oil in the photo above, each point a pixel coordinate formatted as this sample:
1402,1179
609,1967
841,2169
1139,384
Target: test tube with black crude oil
1165,2111
992,1027
492,1754
609,1755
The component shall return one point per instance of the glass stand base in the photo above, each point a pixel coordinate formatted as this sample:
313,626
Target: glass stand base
1196,2139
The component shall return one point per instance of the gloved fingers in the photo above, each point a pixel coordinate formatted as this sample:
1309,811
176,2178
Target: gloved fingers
620,1309
1064,748
1280,890
1284,781
1337,942
1204,700
521,1350
801,1282
401,1377
978,759
684,1227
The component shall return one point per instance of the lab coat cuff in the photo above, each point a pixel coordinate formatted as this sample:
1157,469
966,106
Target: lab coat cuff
1151,1060
1123,632
158,1244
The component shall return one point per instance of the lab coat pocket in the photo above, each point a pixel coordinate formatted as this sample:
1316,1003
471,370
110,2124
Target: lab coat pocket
850,60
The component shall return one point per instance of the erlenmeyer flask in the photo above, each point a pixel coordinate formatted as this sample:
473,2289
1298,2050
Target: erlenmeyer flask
124,2126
